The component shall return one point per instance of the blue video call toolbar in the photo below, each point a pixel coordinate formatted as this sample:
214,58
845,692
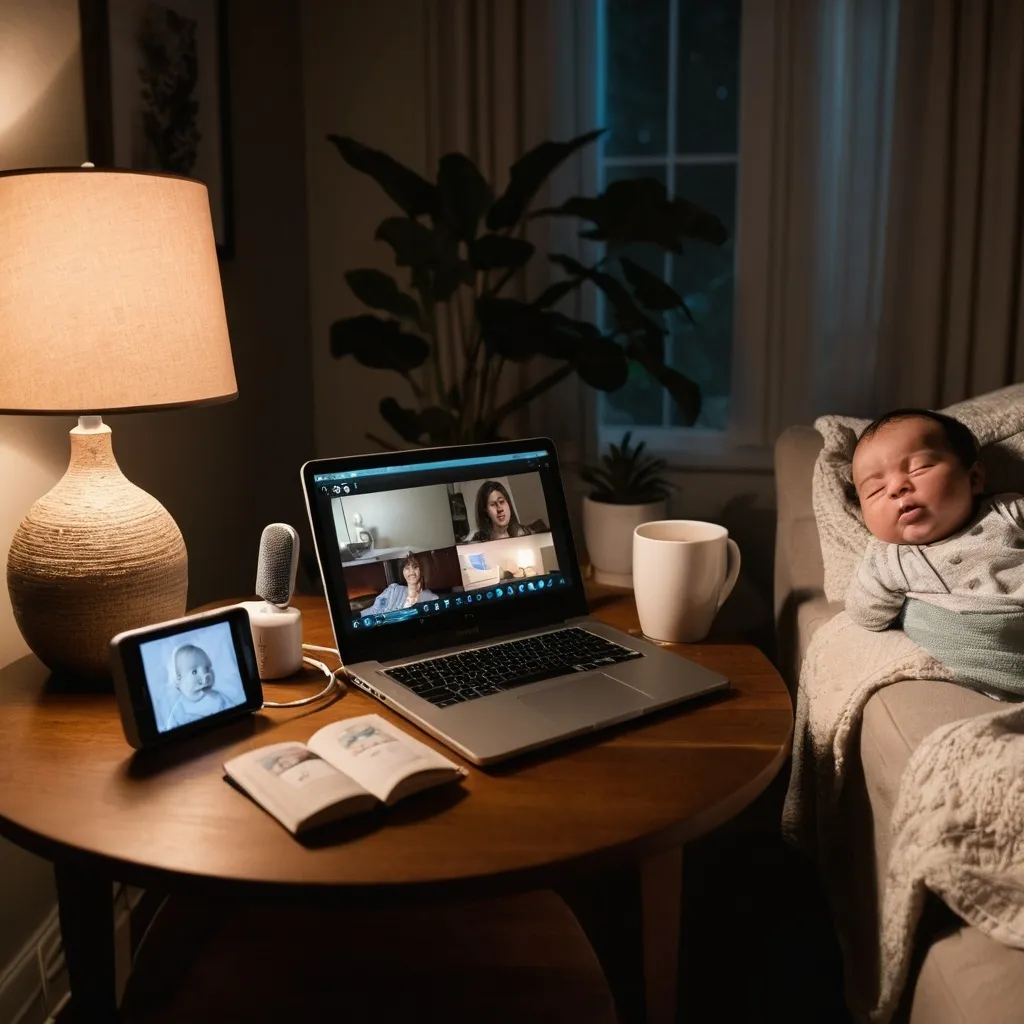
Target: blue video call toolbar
496,593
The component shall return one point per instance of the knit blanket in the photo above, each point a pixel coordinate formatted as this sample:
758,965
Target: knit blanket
958,823
984,650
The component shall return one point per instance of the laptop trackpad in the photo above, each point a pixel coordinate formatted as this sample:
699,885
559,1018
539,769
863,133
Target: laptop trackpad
591,700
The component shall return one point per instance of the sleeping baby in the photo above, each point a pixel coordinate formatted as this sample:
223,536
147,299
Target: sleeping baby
194,678
945,559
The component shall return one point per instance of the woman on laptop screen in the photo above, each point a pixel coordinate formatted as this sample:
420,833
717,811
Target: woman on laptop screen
496,516
395,597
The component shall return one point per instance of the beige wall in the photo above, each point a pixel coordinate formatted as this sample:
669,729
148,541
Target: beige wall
222,472
363,66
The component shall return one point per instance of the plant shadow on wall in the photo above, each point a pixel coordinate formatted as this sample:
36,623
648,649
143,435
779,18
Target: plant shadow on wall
462,247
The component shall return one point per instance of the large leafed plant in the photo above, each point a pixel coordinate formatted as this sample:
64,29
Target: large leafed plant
452,334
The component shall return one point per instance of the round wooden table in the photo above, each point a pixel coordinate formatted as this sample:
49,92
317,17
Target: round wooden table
73,791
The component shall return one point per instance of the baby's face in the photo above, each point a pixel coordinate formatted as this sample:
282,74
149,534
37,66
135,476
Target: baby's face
912,488
194,674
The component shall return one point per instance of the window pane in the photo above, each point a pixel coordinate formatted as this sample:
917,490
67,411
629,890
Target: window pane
636,87
708,76
639,401
704,276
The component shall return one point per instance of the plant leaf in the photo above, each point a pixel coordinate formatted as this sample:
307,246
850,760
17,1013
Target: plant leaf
414,195
685,392
650,289
378,290
636,210
499,252
554,293
404,422
602,364
463,195
414,244
377,343
527,175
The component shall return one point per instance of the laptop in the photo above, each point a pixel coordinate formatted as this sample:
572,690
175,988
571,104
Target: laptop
457,600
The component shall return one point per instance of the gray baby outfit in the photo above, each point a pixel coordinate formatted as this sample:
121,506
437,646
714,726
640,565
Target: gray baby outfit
961,599
978,569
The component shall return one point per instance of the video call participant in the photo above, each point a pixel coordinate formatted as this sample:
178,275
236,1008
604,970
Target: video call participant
496,517
395,597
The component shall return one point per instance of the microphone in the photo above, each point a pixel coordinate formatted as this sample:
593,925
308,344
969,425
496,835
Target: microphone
276,628
277,564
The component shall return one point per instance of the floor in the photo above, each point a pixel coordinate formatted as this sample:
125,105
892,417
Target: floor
758,943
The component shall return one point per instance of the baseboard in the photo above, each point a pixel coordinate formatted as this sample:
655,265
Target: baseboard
22,999
34,985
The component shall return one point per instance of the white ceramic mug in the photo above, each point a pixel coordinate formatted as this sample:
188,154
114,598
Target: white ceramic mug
683,570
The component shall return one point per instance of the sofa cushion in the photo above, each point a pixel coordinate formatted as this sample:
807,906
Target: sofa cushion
997,420
965,976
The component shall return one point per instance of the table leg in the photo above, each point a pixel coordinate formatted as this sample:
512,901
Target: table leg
86,909
631,918
661,891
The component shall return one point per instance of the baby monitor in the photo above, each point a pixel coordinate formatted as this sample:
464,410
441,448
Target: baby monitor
179,677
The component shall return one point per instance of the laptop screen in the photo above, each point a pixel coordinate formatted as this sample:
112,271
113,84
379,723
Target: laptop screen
422,543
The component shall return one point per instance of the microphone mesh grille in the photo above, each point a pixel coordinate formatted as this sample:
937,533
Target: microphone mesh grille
279,558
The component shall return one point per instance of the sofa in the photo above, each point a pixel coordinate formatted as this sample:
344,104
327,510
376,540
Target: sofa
959,974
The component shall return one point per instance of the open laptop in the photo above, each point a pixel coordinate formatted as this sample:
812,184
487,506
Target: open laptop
456,599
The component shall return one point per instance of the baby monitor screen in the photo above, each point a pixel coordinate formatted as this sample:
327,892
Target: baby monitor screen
192,675
425,539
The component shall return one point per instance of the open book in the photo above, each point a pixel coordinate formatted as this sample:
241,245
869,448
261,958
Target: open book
344,768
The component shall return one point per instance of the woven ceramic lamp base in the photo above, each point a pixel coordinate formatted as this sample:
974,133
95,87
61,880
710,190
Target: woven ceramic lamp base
94,556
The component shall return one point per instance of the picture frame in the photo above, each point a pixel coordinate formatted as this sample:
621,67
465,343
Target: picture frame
155,75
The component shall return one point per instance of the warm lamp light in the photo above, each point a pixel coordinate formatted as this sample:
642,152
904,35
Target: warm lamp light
110,301
524,560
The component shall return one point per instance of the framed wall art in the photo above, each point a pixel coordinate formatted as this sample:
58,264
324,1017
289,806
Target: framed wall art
156,93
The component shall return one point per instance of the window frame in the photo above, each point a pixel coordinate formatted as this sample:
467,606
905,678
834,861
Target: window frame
746,444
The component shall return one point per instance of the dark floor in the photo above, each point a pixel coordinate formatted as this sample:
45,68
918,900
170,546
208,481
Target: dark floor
757,940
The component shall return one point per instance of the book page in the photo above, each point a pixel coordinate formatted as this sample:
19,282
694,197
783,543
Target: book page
377,754
296,786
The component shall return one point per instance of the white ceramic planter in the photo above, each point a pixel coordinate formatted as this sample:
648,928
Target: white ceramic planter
608,532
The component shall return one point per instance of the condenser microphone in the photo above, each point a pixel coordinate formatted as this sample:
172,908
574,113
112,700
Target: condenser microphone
277,564
276,628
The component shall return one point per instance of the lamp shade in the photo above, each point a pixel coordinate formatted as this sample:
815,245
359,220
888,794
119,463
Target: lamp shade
110,294
524,558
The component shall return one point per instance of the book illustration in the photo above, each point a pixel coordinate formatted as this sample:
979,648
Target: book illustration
296,765
372,742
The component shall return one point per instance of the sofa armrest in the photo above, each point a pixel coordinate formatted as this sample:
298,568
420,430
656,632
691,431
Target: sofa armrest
800,604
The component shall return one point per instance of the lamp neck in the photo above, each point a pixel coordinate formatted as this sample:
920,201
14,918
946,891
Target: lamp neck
90,424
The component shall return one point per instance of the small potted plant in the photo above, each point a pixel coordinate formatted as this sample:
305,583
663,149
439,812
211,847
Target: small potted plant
628,489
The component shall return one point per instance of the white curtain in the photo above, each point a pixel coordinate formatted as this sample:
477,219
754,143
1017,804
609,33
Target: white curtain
953,323
502,76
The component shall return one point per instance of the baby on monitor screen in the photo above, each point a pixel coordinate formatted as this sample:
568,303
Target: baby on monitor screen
194,679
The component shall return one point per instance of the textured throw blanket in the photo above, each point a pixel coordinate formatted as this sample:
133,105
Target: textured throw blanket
958,823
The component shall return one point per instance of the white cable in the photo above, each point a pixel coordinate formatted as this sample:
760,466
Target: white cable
332,679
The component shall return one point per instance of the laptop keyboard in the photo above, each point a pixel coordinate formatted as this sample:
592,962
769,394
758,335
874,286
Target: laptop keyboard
455,678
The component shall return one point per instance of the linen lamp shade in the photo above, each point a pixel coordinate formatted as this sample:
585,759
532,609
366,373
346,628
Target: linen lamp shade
110,296
110,301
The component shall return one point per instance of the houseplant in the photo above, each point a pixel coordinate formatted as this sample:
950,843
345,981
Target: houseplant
452,336
627,489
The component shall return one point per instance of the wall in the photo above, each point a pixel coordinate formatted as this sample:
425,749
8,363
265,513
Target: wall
223,472
418,518
364,73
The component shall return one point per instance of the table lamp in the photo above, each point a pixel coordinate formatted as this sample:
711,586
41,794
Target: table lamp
110,301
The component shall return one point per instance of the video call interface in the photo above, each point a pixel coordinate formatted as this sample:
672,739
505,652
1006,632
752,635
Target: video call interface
475,531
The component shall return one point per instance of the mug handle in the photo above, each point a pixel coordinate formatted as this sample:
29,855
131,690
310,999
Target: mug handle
733,571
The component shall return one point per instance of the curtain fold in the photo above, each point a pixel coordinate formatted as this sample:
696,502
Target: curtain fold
953,321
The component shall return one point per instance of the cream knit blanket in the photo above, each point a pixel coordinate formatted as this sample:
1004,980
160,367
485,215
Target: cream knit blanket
958,822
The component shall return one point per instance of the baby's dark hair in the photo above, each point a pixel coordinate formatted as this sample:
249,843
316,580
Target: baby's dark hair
962,443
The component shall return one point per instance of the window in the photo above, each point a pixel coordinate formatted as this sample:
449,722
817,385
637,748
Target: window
668,90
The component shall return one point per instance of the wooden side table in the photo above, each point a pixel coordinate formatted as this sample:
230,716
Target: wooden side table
628,798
